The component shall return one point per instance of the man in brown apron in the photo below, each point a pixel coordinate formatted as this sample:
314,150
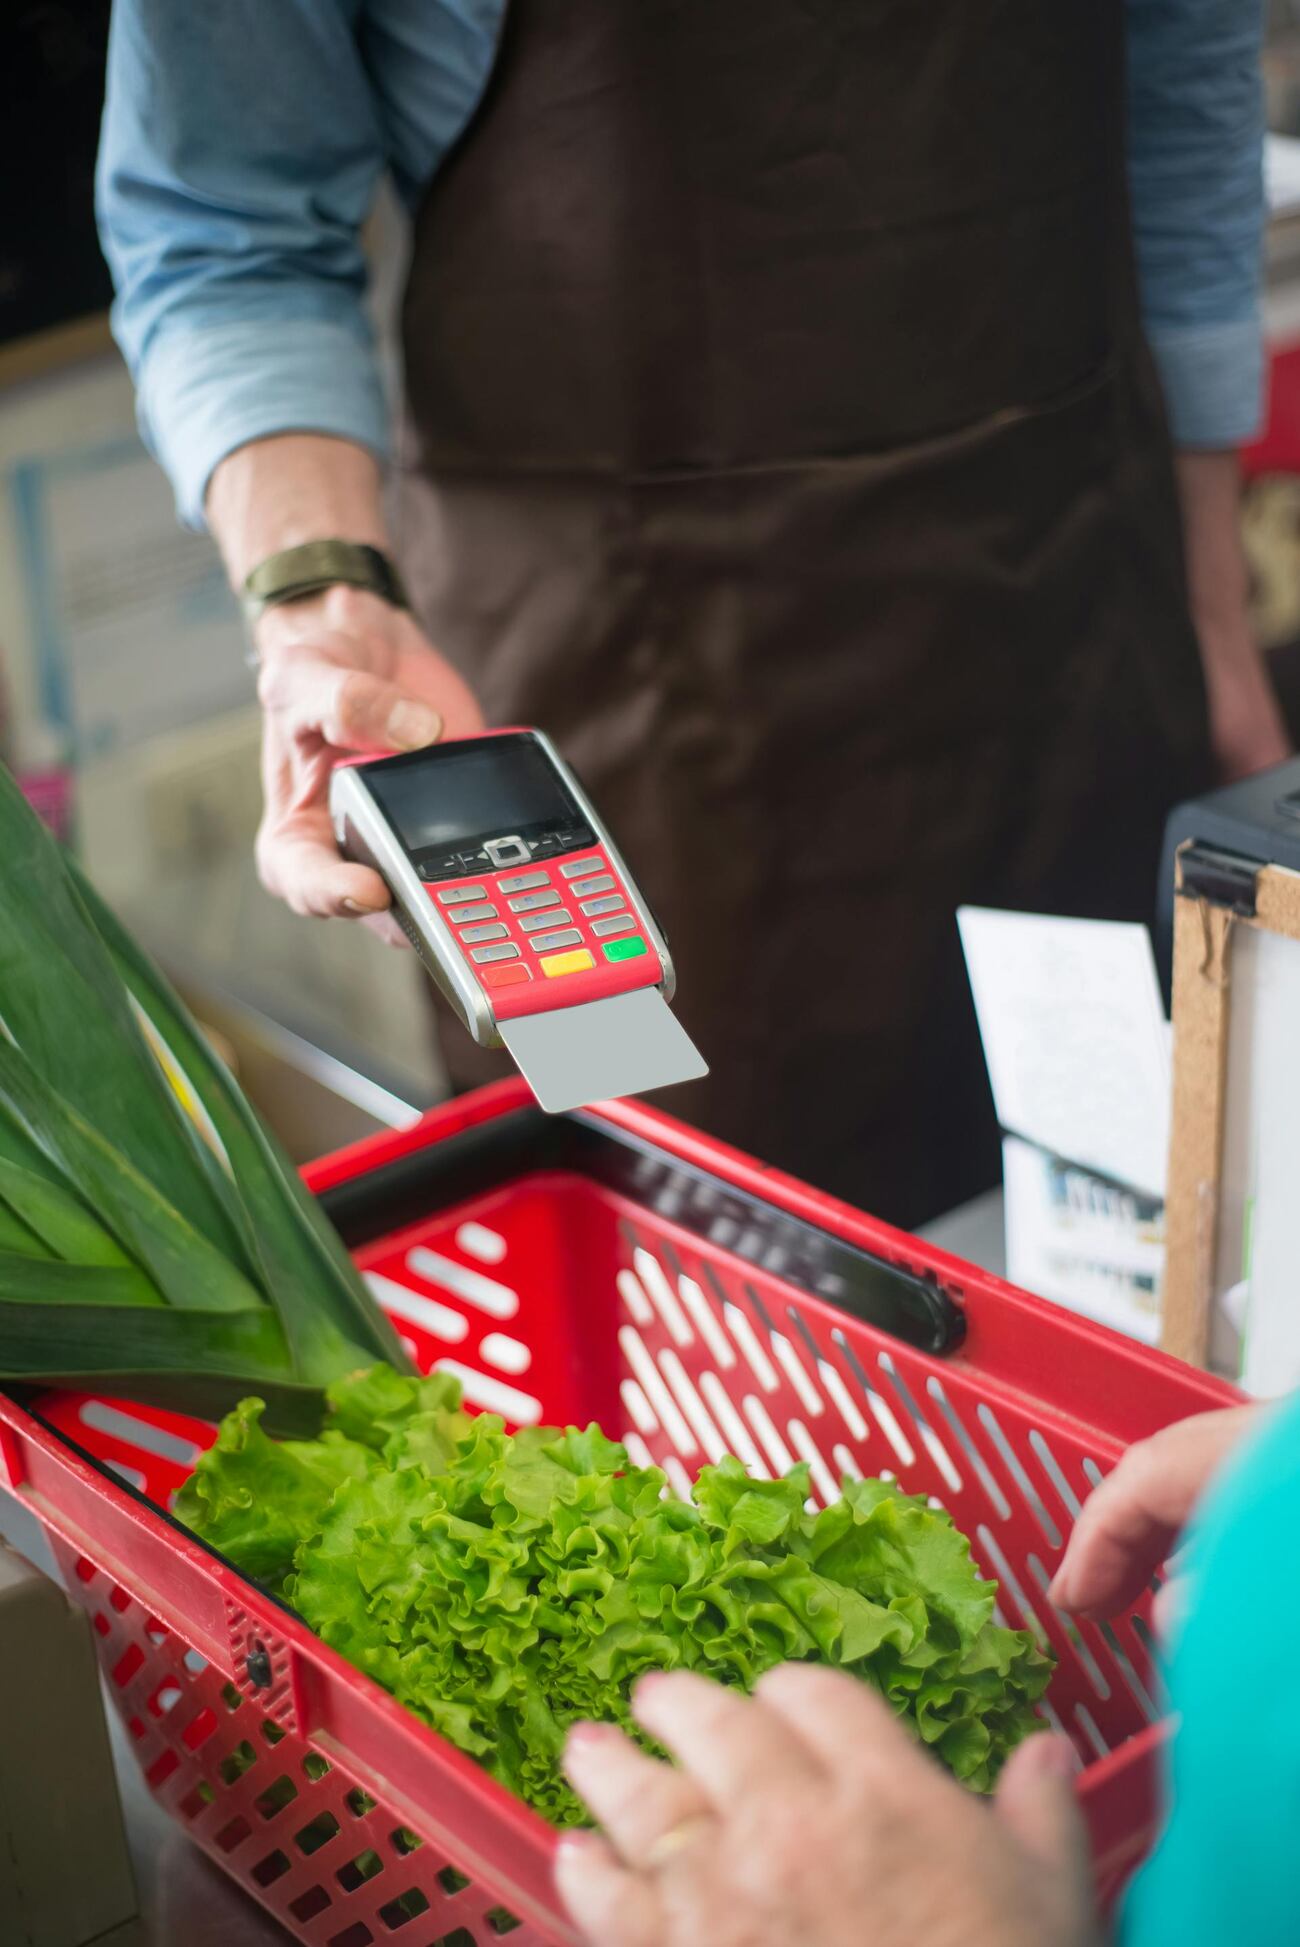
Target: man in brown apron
785,442
782,438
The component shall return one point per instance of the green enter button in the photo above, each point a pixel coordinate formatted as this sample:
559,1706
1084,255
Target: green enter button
629,949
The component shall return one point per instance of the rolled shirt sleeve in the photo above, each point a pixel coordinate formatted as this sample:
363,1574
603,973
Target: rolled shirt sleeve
206,389
1196,128
240,152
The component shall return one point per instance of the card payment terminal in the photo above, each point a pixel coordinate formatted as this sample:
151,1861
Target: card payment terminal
515,897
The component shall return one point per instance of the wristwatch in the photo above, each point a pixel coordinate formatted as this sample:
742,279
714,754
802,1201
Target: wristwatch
306,570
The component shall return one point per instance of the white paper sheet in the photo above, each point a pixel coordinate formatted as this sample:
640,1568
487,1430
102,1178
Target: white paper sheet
1075,1037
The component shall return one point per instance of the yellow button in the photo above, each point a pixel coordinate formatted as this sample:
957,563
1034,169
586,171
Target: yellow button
556,964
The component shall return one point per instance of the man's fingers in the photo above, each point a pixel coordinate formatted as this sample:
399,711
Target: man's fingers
637,1799
613,1907
840,1719
314,881
1036,1801
1130,1523
727,1742
349,708
372,683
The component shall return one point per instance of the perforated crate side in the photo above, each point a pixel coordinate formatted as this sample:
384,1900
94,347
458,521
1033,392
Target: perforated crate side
337,1867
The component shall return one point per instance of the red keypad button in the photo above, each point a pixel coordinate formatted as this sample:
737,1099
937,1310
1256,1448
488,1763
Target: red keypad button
508,976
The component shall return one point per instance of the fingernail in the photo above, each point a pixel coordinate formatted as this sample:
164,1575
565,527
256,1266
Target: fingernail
585,1750
587,1737
412,725
356,910
573,1847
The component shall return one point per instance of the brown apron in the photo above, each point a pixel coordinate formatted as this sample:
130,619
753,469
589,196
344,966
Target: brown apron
783,440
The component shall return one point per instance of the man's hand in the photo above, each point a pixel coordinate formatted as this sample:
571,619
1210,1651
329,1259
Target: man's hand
1246,725
1133,1520
807,1813
341,672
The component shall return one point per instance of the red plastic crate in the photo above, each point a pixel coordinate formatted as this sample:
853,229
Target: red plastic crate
611,1266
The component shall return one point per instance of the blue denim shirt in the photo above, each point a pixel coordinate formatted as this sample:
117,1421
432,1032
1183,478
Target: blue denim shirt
242,145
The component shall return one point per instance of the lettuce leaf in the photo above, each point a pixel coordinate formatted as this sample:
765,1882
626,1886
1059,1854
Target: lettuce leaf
254,1499
503,1586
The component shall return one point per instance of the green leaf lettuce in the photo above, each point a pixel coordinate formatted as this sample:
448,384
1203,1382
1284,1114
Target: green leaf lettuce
504,1586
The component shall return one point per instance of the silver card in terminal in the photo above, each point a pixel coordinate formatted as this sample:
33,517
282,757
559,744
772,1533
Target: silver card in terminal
622,1046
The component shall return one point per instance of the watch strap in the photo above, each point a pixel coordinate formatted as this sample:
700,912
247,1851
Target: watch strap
292,573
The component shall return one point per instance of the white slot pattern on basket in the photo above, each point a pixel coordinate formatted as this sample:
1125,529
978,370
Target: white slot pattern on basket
693,1407
971,1453
467,1313
493,1395
413,1308
764,1426
638,1406
843,1399
473,1287
707,1323
747,1339
506,1354
654,1282
739,1439
477,1241
700,1416
683,1412
664,1407
121,1424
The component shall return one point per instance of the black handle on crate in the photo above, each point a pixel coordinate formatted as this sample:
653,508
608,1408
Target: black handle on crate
908,1306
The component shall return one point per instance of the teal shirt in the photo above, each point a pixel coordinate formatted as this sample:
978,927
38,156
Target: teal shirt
1227,1868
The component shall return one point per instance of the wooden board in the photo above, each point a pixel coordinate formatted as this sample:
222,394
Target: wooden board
1202,1004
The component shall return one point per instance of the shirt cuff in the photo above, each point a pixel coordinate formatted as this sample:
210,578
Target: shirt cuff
206,389
1213,379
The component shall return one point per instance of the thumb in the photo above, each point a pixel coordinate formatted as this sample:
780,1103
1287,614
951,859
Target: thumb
1036,1803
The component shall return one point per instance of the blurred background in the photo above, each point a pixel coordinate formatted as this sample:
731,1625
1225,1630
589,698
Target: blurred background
105,599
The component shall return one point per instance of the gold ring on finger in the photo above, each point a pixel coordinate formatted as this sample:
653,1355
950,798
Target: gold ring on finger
678,1839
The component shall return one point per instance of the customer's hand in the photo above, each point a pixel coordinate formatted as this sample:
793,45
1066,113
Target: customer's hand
808,1814
341,672
1132,1521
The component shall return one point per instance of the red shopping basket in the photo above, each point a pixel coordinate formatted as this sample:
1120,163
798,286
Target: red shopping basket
615,1266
